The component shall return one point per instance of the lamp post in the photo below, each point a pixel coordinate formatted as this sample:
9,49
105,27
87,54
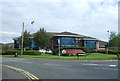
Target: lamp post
32,37
108,43
22,38
59,48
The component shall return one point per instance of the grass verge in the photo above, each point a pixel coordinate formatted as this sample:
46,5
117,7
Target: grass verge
91,56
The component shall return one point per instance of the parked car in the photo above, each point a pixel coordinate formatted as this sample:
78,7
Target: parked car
42,51
48,51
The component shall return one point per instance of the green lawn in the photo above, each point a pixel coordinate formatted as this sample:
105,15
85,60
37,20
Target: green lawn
91,56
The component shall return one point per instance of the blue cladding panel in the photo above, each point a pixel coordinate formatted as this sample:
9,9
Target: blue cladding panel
67,41
91,44
16,44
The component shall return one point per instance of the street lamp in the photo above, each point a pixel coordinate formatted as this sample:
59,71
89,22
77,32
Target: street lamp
32,37
59,48
108,43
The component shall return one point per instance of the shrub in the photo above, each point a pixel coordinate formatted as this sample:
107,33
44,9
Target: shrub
26,52
11,52
55,51
101,51
4,51
110,51
68,54
31,52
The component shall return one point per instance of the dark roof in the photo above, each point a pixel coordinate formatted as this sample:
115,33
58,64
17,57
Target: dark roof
67,34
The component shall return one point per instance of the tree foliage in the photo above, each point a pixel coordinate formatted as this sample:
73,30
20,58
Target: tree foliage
27,41
114,40
42,38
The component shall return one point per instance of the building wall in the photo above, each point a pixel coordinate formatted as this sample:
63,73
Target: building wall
66,42
72,42
79,43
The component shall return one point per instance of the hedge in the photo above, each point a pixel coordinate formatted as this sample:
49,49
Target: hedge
26,52
31,52
55,51
109,52
67,54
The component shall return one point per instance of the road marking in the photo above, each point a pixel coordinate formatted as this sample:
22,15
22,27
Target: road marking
105,68
91,64
100,65
26,73
112,65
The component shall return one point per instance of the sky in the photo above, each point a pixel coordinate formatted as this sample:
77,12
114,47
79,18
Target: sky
86,17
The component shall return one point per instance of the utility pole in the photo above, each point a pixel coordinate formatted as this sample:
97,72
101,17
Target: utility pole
22,38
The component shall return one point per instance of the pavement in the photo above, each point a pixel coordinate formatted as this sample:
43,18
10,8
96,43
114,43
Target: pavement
11,74
66,69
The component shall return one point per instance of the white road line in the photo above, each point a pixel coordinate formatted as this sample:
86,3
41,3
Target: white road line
91,64
101,65
112,65
106,68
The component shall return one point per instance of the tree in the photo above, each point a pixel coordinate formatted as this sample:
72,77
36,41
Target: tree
112,35
114,40
42,38
27,41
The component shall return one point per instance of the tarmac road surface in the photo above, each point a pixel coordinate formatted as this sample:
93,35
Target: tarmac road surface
63,69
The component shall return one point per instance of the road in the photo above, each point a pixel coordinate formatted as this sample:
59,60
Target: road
65,69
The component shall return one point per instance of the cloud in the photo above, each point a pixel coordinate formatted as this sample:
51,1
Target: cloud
87,17
8,33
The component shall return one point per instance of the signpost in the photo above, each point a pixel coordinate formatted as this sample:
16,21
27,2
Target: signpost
78,54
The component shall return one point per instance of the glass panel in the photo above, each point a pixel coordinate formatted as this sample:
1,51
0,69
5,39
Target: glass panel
16,44
67,42
91,44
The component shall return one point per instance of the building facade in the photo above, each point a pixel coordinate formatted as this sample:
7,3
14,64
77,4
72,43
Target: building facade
67,39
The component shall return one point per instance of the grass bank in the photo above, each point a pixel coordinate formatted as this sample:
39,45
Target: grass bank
91,56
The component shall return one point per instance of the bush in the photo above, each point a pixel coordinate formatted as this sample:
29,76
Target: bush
4,51
31,52
26,52
110,51
101,51
11,52
55,51
69,54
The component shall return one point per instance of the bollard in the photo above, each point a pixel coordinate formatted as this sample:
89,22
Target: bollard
16,54
118,55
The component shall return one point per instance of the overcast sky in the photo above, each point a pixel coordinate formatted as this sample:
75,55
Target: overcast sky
87,17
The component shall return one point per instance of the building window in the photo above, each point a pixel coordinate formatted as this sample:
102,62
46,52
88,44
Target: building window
67,41
91,44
